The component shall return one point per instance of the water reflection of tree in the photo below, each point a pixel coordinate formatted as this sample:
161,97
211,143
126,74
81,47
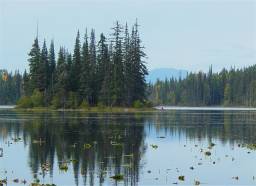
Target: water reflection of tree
226,126
65,136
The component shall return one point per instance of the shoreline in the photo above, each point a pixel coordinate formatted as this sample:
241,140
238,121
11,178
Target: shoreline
90,110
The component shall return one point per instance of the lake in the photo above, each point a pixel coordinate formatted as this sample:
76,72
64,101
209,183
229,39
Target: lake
185,147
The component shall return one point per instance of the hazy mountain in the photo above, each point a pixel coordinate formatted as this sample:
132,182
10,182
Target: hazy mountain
162,73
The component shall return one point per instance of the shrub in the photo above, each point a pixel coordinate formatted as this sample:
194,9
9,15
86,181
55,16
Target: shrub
72,101
137,104
148,104
37,98
84,105
101,105
56,102
24,102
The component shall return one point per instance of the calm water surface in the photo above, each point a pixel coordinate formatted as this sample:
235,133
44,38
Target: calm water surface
147,148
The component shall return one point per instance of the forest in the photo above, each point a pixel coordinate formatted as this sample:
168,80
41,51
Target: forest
10,87
111,72
234,87
108,72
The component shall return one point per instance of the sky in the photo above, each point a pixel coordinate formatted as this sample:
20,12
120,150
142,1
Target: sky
183,34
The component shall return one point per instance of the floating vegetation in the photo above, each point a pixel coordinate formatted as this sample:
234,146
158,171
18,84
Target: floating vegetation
154,146
38,184
161,137
235,177
16,139
251,146
212,144
207,153
181,178
4,181
118,177
197,182
87,146
46,167
35,184
63,167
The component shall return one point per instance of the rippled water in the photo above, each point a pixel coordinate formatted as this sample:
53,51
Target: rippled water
146,148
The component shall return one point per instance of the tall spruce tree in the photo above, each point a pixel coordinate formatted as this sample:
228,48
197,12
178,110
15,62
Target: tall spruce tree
34,62
85,77
139,67
103,71
76,66
118,71
52,67
93,66
128,68
44,69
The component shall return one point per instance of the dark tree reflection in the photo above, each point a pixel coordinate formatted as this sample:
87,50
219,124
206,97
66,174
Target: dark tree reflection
97,146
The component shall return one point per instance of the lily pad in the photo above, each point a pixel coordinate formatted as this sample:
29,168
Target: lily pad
181,178
118,177
154,146
87,146
207,153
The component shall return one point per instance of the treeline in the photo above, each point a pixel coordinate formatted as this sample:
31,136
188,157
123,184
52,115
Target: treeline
107,72
234,87
10,87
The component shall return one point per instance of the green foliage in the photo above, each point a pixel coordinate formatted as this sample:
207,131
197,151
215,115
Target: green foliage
235,87
10,87
84,105
137,104
100,105
56,102
37,98
24,102
110,72
72,101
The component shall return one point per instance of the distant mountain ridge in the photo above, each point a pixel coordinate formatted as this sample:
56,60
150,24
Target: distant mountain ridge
163,73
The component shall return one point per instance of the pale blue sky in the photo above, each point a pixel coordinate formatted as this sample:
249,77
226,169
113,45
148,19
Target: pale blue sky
187,34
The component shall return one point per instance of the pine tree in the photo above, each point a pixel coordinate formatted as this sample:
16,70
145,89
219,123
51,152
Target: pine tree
128,71
43,73
118,71
93,66
76,64
103,71
85,86
140,69
52,68
34,62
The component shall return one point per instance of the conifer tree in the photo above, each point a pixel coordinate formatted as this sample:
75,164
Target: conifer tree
93,66
103,71
140,69
85,86
76,64
118,71
34,62
52,67
43,73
